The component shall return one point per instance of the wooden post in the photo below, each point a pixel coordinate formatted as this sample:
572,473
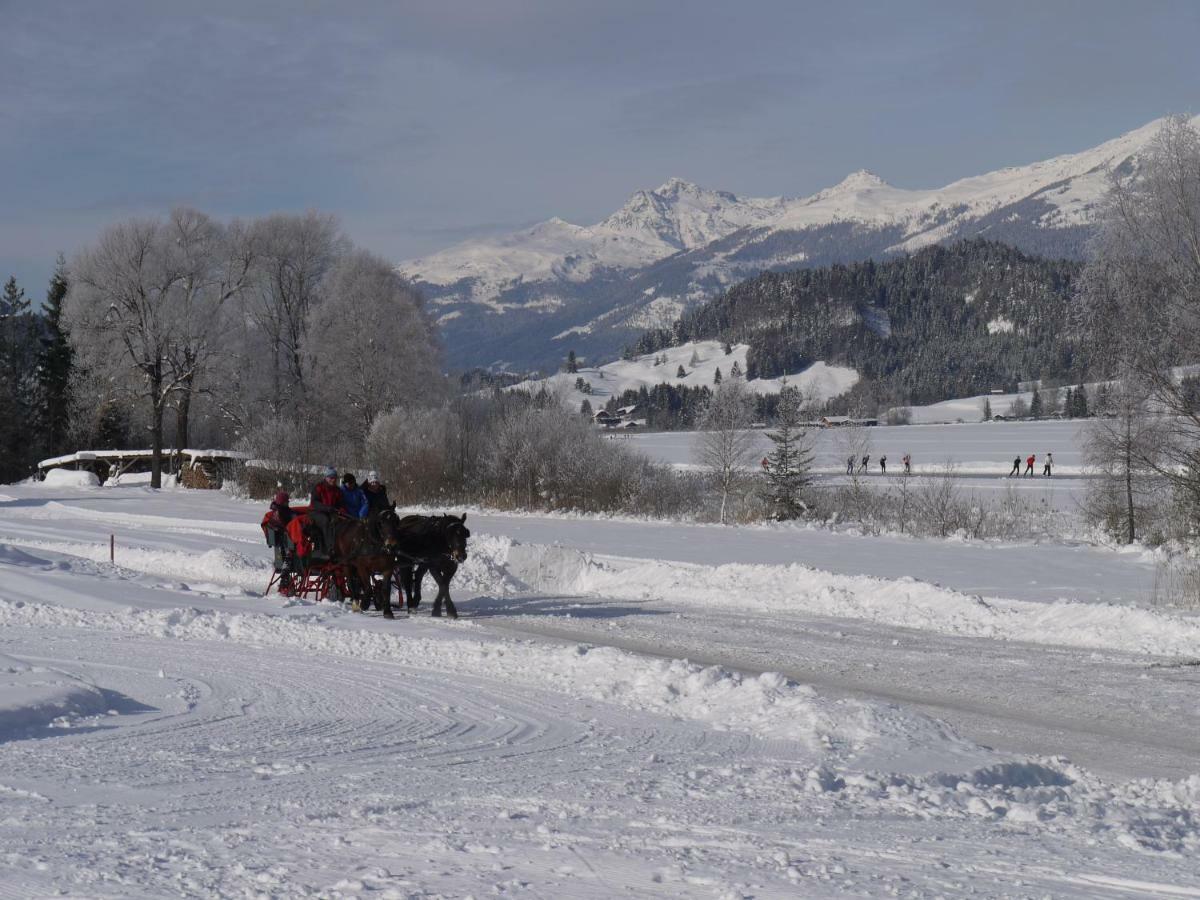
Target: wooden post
112,548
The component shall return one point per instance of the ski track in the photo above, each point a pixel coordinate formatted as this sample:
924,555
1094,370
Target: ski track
236,746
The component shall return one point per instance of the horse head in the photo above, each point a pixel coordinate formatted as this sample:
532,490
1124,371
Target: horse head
387,524
456,532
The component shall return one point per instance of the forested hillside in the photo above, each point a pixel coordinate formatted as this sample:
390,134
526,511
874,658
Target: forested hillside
948,321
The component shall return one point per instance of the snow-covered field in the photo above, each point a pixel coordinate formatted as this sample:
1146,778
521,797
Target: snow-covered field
625,709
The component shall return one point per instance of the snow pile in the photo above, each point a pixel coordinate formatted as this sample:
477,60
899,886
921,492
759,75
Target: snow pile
35,697
903,602
700,361
69,478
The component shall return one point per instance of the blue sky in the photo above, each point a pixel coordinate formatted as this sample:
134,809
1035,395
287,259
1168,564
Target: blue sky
424,123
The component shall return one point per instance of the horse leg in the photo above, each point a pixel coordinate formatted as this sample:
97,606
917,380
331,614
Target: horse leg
414,597
448,574
354,576
406,586
383,599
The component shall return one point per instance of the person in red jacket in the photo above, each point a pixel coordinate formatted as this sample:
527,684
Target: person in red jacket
1029,461
324,507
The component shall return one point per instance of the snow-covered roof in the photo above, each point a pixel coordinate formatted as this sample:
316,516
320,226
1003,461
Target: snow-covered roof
87,455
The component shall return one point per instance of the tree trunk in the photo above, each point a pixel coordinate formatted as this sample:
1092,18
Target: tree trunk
158,402
182,412
1129,515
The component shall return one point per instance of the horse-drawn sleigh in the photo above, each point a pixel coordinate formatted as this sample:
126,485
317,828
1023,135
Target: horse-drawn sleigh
368,556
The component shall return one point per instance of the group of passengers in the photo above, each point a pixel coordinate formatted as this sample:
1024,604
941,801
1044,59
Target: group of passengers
328,501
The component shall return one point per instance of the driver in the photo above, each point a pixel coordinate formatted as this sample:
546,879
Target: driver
325,505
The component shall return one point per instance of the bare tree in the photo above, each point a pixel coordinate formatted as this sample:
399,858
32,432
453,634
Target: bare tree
726,445
371,346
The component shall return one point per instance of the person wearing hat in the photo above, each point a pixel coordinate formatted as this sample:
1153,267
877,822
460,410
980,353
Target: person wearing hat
274,527
354,502
376,493
324,506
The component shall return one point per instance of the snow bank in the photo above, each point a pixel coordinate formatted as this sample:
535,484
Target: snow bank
903,602
69,478
35,697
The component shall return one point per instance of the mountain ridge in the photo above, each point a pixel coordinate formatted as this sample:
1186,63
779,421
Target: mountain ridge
525,298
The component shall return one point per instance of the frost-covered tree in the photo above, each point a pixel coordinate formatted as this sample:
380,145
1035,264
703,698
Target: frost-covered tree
987,409
725,444
735,371
1035,405
372,346
1123,453
295,254
790,461
149,295
1141,292
717,376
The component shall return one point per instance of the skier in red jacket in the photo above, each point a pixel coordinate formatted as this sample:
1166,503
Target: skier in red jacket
1029,461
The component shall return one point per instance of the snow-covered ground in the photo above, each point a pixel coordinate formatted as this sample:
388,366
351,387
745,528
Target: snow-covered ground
700,361
981,455
625,708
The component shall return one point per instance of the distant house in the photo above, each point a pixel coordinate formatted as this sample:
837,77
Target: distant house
840,421
622,417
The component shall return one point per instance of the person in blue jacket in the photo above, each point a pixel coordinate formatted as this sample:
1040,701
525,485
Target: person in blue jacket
354,501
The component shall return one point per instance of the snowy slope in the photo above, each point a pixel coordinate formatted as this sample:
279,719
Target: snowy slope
819,382
507,298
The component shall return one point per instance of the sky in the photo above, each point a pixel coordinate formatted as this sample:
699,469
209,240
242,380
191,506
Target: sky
421,124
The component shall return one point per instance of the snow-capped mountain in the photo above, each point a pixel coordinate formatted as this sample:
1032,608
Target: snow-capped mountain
527,297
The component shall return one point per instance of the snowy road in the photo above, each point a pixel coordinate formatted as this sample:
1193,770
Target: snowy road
221,744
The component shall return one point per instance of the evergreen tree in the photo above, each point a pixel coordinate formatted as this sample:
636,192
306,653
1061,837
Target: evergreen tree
695,360
735,370
55,365
717,376
987,410
585,408
18,385
1069,406
728,348
1035,405
1081,403
572,363
789,463
680,372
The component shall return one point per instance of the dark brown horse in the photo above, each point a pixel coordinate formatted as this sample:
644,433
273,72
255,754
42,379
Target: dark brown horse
433,544
366,547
